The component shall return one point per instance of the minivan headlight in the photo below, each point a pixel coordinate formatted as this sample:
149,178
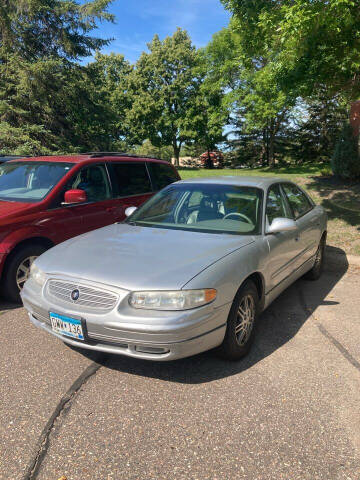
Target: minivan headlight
37,275
172,300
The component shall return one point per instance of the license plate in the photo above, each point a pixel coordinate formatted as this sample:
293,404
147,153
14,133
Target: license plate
70,327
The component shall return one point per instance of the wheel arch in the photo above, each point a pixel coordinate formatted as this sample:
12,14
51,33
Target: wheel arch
259,282
37,240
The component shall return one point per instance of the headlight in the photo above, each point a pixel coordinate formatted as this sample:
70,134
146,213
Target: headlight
172,300
37,275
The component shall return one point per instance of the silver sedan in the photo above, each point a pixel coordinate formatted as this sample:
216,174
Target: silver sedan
188,271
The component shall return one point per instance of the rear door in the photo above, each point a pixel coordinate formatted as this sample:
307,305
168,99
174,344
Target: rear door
307,219
131,186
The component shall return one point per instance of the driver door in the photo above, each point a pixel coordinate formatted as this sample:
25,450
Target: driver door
72,220
284,247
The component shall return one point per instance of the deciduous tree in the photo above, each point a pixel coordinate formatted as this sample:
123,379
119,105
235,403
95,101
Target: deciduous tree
164,85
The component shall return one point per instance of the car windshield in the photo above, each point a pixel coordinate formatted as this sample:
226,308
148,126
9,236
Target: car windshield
30,181
210,208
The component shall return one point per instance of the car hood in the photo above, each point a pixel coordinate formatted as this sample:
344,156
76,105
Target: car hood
139,258
10,209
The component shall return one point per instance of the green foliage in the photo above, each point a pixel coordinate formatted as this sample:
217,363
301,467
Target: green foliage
45,97
346,159
26,140
317,126
259,106
164,86
281,76
149,150
102,102
35,29
307,43
208,112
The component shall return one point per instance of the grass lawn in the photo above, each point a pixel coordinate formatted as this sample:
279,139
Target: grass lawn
341,200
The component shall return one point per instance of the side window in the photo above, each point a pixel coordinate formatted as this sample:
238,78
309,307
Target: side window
298,201
276,205
131,179
164,204
162,175
195,199
94,181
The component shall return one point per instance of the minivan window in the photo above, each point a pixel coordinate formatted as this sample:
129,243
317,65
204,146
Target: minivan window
130,179
162,175
30,181
94,181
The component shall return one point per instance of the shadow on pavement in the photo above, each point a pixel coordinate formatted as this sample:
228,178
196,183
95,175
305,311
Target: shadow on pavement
277,325
4,305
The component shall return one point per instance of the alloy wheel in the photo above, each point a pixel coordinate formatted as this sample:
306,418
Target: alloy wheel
245,320
23,271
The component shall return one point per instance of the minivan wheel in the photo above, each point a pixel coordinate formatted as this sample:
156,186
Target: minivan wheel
17,271
317,269
240,330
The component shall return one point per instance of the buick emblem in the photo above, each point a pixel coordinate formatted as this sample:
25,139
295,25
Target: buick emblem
75,294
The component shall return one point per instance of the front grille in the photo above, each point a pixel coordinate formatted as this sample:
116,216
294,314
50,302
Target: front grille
89,297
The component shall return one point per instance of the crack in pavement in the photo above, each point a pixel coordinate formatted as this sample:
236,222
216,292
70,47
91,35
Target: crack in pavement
339,346
344,352
44,441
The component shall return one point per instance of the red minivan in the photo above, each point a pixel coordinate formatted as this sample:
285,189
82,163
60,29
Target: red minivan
46,200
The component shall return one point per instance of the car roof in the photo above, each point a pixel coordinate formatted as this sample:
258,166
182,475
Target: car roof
5,158
93,157
238,180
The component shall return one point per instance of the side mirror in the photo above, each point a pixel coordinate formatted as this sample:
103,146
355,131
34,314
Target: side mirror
279,225
75,196
130,210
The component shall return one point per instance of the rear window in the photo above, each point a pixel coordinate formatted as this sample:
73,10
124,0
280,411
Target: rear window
162,175
130,179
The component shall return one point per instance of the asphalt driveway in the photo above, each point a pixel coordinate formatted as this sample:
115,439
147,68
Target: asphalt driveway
290,410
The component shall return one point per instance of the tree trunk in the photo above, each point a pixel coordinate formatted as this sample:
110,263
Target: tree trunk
355,117
265,149
209,163
271,150
176,154
272,145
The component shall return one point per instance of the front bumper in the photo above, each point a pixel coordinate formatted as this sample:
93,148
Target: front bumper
149,335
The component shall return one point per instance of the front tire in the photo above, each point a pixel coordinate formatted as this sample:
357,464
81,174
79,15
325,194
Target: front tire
240,330
317,269
17,271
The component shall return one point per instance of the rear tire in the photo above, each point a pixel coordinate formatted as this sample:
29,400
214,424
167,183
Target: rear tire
317,269
17,270
241,324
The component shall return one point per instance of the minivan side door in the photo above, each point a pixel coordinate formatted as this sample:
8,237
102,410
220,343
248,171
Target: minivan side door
131,186
95,213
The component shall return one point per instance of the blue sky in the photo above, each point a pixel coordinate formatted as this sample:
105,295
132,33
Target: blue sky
137,21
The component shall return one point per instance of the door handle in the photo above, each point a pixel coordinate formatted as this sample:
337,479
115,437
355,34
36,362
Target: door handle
110,209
